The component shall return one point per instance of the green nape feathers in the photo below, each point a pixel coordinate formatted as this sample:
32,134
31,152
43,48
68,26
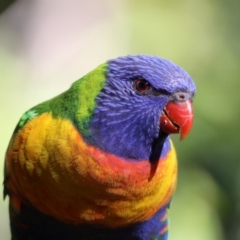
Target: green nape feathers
77,103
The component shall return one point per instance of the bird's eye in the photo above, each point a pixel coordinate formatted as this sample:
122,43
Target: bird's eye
142,85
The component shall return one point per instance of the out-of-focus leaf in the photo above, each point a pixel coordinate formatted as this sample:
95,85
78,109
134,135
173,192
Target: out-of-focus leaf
5,4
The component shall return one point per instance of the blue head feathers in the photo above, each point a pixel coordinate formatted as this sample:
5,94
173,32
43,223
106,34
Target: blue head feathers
126,119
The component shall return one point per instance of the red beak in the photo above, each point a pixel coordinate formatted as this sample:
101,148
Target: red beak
177,117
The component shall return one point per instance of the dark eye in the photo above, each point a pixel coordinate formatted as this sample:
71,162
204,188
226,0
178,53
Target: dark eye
142,85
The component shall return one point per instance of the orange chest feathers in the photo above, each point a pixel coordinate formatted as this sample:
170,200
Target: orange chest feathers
50,166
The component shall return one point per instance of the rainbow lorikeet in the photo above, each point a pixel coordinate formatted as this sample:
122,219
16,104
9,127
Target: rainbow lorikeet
96,162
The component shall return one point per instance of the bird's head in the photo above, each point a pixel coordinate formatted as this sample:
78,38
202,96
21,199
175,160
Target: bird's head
143,100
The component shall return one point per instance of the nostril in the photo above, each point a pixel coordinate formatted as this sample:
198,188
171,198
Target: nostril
181,96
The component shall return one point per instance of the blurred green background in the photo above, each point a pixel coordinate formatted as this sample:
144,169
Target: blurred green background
46,45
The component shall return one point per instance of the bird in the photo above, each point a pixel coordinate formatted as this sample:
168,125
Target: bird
96,162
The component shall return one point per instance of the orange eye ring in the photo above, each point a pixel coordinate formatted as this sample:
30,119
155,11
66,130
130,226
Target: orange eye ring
142,86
